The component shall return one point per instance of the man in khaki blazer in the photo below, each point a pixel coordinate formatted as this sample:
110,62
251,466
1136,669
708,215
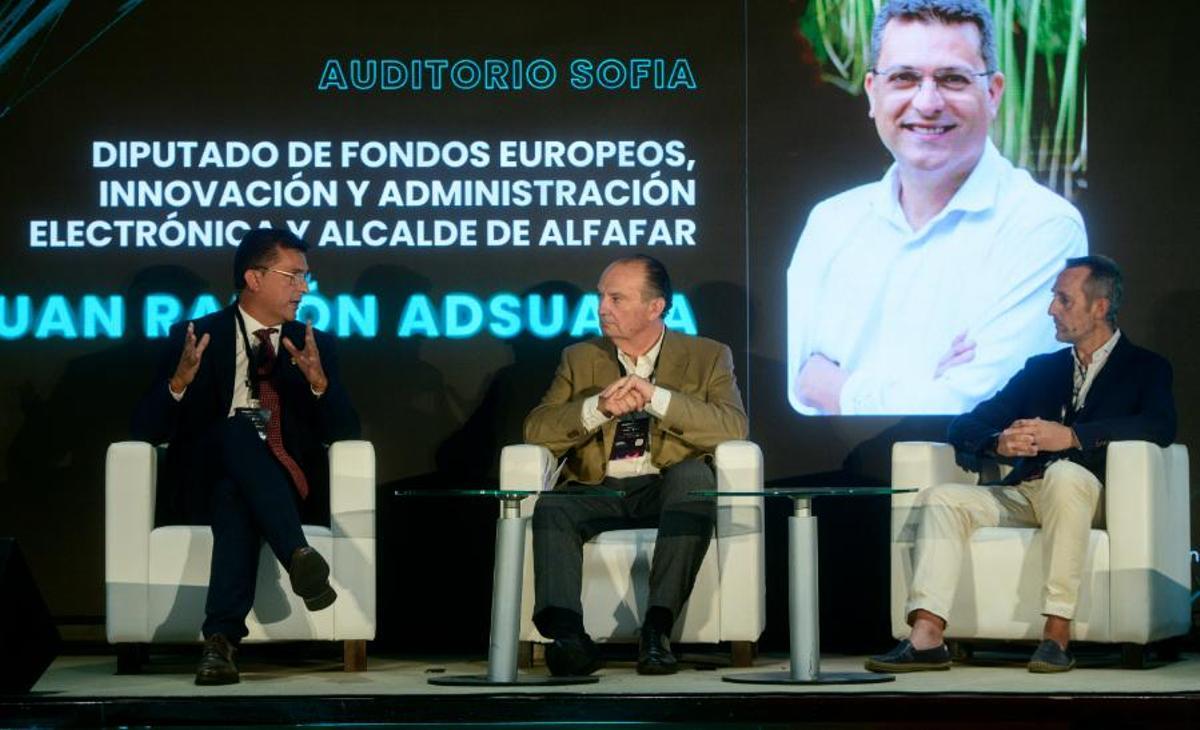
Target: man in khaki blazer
640,410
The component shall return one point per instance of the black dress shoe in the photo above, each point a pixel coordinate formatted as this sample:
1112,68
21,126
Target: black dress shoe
216,662
904,658
310,578
654,653
1050,657
573,656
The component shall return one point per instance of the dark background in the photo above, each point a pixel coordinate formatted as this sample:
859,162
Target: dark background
437,410
770,141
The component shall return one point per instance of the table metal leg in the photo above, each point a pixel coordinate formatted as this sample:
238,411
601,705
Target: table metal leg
804,619
804,605
506,599
506,610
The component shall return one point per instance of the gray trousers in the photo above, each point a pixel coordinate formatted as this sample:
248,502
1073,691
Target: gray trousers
562,524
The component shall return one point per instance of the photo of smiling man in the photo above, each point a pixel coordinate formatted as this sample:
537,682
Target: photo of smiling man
923,292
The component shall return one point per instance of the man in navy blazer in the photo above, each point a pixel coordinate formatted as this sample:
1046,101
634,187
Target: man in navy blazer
1053,421
246,424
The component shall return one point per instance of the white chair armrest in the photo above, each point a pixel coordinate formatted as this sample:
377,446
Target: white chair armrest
526,466
741,550
352,521
129,481
919,465
739,467
1147,516
352,489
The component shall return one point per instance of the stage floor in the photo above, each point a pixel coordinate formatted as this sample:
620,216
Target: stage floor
993,691
171,676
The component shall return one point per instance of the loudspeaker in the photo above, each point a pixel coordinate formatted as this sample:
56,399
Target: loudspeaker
28,638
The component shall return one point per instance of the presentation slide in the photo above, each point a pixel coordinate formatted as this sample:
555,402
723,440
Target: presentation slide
462,171
890,309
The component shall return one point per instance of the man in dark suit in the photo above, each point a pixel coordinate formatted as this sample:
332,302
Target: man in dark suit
640,410
1054,420
246,427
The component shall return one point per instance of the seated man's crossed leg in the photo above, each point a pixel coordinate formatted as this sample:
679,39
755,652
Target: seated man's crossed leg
252,502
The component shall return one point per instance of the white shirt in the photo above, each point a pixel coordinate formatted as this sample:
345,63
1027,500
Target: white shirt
1086,375
885,302
241,360
657,407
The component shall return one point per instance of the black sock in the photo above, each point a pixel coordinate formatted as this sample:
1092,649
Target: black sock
660,618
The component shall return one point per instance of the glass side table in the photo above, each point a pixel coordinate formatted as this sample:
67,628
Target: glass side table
506,586
803,604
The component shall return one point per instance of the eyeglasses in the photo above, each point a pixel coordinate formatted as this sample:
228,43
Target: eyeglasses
298,279
907,78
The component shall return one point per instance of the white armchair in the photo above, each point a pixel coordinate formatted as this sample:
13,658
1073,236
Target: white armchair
156,578
728,601
1136,579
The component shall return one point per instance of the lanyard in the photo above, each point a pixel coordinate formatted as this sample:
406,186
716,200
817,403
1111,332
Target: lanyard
252,376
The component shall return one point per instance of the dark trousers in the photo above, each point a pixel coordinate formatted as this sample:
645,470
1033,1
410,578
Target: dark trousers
562,524
252,500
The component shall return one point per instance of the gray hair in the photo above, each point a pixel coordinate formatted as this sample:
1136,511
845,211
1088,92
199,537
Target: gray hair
941,11
1104,282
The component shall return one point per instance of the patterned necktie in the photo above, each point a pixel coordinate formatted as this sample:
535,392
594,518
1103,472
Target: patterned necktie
268,397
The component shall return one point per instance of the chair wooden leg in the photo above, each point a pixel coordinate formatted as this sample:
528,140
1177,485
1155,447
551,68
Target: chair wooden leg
354,655
742,653
131,657
525,655
1133,656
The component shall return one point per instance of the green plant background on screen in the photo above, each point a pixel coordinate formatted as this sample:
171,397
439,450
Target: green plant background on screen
1040,44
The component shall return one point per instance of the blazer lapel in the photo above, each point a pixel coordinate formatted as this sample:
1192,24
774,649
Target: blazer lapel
672,362
286,369
671,373
1108,375
225,355
1061,385
605,369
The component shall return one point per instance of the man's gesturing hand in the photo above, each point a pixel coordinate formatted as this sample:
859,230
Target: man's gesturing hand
308,360
189,360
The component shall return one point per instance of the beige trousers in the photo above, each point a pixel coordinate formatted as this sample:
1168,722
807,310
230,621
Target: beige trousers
1063,503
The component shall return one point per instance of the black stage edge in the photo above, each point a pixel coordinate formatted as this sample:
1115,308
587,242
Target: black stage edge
758,709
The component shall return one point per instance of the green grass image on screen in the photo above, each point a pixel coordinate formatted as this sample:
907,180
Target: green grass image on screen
1040,44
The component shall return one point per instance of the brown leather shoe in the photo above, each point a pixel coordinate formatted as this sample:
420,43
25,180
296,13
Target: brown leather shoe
310,578
217,662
